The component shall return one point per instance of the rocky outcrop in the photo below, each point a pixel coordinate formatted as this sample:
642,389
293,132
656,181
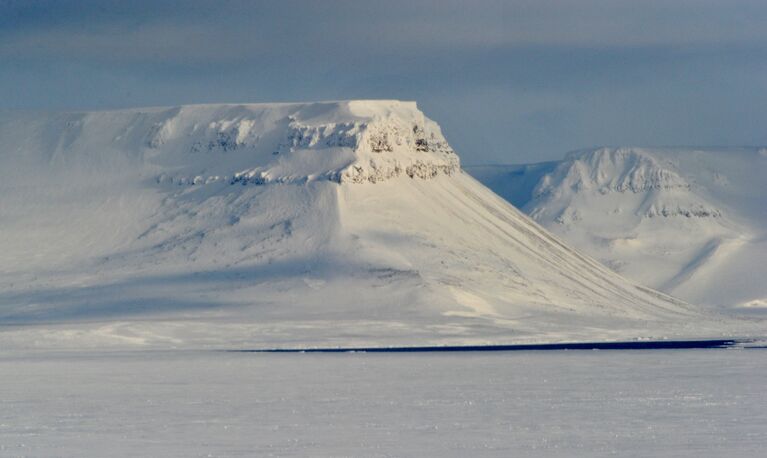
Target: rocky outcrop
353,142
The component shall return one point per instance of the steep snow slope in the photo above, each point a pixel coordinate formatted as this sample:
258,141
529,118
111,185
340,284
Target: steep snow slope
284,224
691,222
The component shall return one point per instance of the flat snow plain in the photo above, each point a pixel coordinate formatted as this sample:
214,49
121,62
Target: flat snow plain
678,403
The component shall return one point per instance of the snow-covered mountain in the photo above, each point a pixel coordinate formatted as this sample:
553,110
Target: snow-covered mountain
688,221
286,224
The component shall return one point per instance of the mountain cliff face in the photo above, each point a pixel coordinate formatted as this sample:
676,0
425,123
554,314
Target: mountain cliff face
687,221
354,141
285,224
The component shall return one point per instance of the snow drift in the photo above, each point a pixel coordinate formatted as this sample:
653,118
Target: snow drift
346,223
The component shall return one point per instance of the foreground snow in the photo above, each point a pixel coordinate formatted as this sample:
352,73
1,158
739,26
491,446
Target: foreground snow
687,403
336,223
688,221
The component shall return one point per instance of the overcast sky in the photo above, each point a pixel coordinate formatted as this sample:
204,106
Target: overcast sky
509,81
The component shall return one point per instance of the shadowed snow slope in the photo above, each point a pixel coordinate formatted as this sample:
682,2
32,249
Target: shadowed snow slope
284,224
687,221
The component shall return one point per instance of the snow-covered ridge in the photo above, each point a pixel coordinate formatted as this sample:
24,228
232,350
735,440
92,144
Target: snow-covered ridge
350,141
616,169
622,170
688,221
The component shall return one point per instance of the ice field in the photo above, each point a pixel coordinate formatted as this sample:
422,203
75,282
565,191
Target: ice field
680,403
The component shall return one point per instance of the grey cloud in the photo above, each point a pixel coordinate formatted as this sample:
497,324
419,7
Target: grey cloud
227,31
509,80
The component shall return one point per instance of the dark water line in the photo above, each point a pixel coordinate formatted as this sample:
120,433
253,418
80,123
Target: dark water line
632,345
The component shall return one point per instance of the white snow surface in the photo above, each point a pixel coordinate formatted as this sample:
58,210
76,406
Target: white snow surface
691,222
689,403
274,225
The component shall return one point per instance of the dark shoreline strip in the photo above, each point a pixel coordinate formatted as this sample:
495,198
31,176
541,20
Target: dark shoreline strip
631,345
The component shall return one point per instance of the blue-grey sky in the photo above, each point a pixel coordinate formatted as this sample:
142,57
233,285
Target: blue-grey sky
509,81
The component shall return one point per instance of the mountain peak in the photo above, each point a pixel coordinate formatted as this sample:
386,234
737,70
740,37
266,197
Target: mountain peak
686,220
347,141
624,169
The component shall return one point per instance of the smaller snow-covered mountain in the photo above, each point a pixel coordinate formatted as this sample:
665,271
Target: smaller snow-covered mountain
688,221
